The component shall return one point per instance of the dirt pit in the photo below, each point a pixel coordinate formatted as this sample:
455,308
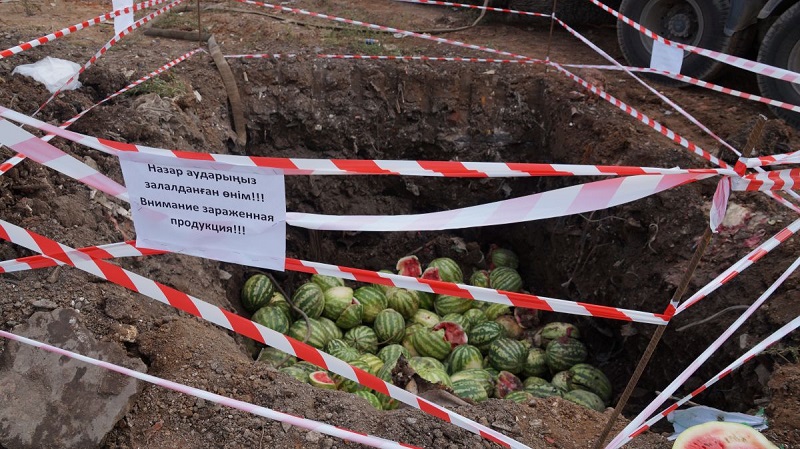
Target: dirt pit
631,256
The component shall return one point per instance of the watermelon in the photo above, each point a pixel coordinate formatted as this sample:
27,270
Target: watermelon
544,390
458,319
484,334
389,327
506,383
526,318
506,279
449,271
501,257
348,385
373,362
280,302
493,311
383,287
336,300
426,318
509,355
431,343
533,381
403,301
453,333
409,266
469,389
586,399
722,435
474,317
273,318
436,376
331,329
424,363
587,377
563,353
535,363
385,371
445,304
336,344
274,356
318,338
369,397
391,353
297,373
387,402
431,273
320,379
351,317
562,380
362,338
520,397
345,353
482,376
464,357
555,330
326,282
310,299
308,367
257,292
373,299
480,279
509,323
408,339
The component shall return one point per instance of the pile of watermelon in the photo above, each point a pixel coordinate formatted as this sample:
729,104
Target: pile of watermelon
477,349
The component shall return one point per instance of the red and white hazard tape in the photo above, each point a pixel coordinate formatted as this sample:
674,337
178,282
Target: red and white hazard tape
788,179
742,63
129,249
633,428
107,46
741,265
78,26
485,8
744,358
11,163
389,58
303,423
238,324
776,159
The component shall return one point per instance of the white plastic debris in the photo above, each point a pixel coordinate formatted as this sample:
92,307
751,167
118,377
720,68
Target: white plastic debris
683,419
52,72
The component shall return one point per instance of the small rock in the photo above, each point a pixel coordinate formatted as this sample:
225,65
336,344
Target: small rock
45,304
286,426
224,275
313,437
411,421
127,333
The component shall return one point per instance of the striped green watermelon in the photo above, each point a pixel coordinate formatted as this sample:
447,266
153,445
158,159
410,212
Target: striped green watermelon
308,367
403,301
373,299
425,299
426,318
458,319
369,397
446,304
351,317
319,336
256,292
563,353
326,282
501,257
544,390
506,279
310,299
506,383
480,279
533,381
385,372
273,318
336,344
464,357
336,300
391,353
389,327
436,376
280,302
345,353
535,363
373,361
509,355
587,377
430,343
331,329
493,311
586,399
408,339
519,396
484,334
362,338
469,389
482,376
449,271
562,380
274,356
297,373
555,330
424,363
474,317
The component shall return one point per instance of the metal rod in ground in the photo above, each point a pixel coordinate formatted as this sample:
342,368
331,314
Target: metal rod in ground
755,136
550,38
199,28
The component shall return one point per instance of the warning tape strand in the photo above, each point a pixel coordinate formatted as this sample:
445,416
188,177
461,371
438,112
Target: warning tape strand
238,324
304,423
485,8
629,431
107,46
524,300
787,179
78,26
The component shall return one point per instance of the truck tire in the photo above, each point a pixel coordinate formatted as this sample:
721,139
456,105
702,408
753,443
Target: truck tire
781,48
696,22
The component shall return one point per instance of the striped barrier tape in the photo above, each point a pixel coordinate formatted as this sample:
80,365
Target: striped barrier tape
631,429
787,179
19,157
736,364
240,325
775,159
485,8
78,26
303,423
129,249
742,63
389,58
741,265
107,46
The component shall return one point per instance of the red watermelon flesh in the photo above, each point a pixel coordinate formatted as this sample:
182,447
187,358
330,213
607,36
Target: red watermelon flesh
722,435
409,266
453,333
431,273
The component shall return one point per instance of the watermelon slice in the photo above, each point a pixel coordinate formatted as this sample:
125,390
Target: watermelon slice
320,379
453,333
722,435
431,273
409,266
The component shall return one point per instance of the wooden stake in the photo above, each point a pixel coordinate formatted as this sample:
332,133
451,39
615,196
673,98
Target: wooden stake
550,39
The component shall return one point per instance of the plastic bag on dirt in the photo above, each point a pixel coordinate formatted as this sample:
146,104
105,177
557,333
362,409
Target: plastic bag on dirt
683,419
52,72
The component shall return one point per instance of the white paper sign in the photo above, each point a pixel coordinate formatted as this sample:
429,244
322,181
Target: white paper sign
208,209
666,58
122,21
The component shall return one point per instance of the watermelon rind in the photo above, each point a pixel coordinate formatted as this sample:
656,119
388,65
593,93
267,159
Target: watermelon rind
369,397
509,355
436,376
449,271
257,292
273,318
320,379
373,299
722,435
586,399
469,389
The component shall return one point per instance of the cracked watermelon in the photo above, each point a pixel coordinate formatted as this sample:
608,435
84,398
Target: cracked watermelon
722,435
